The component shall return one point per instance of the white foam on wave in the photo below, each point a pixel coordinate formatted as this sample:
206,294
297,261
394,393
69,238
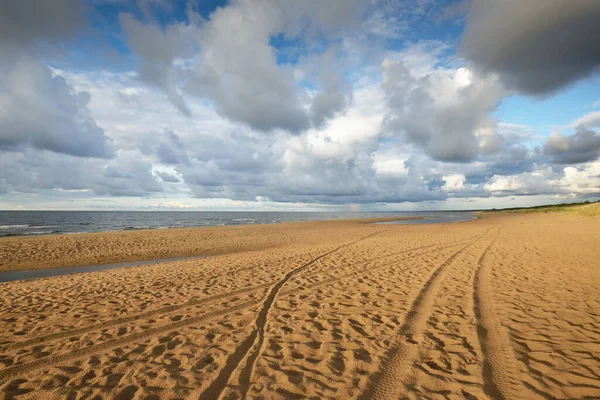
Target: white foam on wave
14,226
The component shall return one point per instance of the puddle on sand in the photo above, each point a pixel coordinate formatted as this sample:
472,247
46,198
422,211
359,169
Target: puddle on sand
9,276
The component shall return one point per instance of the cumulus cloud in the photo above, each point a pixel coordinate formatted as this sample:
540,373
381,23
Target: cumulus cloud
40,109
334,93
157,51
171,150
340,154
128,174
453,183
229,59
582,146
570,181
585,180
537,47
590,120
238,69
446,112
37,108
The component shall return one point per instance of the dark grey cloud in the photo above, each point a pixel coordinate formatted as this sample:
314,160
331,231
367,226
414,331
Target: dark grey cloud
327,177
335,91
23,23
261,96
156,50
582,146
32,170
129,173
171,150
236,165
536,46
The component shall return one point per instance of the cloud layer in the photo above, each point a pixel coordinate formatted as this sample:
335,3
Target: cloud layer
266,102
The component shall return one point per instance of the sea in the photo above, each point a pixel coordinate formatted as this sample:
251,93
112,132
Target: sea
28,223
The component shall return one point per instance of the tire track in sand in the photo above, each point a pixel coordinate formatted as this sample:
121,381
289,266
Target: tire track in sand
129,319
385,385
499,363
327,281
52,360
255,340
195,302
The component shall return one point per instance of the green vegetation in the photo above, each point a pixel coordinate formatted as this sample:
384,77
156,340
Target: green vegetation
587,209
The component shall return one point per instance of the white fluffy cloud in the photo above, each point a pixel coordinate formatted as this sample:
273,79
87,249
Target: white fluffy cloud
568,181
453,183
444,111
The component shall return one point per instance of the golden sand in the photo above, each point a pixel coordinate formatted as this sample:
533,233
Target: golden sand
507,306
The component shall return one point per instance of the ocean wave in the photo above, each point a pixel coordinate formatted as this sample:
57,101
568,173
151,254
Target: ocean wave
29,233
20,226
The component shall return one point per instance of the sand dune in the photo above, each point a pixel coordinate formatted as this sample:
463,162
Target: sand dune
503,307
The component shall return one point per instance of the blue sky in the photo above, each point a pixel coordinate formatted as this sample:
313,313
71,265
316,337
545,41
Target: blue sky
554,111
376,104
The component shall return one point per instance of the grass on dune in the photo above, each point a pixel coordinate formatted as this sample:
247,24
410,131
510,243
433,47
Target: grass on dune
586,209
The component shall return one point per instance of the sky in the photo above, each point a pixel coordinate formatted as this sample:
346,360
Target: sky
369,105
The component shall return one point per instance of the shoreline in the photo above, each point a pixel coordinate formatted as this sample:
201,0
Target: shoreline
39,273
51,224
26,253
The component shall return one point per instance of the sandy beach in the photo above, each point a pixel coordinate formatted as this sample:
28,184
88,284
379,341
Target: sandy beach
507,306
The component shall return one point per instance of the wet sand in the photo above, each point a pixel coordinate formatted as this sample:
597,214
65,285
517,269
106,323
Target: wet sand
503,307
